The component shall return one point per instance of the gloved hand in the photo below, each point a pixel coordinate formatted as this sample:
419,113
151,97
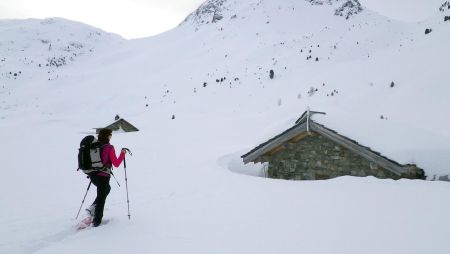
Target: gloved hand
126,150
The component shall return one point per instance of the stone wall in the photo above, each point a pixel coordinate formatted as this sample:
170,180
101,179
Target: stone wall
316,157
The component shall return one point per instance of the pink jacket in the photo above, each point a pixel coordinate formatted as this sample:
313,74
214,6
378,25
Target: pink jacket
109,158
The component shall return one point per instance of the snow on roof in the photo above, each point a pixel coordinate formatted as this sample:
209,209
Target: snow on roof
396,141
399,141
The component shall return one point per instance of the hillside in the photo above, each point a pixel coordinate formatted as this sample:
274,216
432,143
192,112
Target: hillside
35,55
201,95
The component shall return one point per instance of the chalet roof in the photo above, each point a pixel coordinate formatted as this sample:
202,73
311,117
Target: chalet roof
305,124
120,124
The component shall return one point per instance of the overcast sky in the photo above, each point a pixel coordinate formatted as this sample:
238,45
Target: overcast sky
129,18
142,18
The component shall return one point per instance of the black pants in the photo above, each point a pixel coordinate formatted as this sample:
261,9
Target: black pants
103,188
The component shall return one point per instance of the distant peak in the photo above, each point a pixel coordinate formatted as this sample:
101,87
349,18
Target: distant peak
209,12
213,11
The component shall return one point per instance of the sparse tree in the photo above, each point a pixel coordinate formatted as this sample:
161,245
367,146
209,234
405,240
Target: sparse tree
312,91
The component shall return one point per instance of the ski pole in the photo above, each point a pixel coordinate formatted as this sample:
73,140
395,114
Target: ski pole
126,184
126,180
115,178
82,202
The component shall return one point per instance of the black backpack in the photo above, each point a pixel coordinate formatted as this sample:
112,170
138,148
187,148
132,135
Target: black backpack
90,155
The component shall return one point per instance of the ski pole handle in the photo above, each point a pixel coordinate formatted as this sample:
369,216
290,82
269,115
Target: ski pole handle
128,151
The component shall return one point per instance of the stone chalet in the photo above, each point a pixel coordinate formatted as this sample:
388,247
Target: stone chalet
311,151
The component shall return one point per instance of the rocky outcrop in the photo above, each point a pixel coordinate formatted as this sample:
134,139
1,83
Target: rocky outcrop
445,6
319,2
209,12
348,9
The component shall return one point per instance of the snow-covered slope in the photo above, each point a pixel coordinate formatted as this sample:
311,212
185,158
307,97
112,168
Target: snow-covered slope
201,96
33,52
320,59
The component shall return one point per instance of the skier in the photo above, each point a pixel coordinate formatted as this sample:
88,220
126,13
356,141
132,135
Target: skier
101,179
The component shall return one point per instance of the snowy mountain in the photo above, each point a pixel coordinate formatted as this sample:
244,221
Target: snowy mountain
51,42
201,95
329,62
35,52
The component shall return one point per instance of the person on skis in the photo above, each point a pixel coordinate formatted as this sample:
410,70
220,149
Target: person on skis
101,178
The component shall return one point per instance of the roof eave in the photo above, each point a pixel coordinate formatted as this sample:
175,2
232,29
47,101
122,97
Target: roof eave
273,143
353,146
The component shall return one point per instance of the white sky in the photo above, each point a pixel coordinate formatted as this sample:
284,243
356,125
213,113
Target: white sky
142,18
129,18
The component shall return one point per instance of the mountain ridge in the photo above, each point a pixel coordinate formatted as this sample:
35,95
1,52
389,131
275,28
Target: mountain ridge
213,11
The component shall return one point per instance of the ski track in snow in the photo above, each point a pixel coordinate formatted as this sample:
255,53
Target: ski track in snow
39,245
33,246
